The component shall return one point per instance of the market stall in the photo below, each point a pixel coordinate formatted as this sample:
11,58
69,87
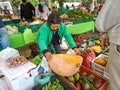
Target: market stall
64,71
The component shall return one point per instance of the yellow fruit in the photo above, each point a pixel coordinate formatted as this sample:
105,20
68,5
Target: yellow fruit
100,61
105,59
97,49
97,42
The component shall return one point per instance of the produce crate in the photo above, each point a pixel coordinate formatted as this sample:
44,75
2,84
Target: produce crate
106,76
97,76
16,21
89,19
63,82
34,27
97,67
7,22
82,20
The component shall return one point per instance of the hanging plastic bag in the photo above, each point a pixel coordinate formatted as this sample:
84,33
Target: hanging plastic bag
28,36
63,45
8,53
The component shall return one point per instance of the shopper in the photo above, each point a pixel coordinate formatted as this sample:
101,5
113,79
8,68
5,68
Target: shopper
6,11
61,7
4,38
67,8
41,10
27,11
50,36
108,22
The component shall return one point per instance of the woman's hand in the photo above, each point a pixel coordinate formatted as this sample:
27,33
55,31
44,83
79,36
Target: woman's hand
77,51
48,55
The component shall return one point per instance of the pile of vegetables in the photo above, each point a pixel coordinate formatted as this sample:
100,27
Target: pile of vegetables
36,61
84,81
76,14
55,85
16,61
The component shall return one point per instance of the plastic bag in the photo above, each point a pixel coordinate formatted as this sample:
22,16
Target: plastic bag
63,45
28,36
3,85
43,79
70,51
87,58
44,66
8,53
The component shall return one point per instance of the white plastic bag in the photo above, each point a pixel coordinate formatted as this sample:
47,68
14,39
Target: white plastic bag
63,45
8,53
70,51
44,66
3,85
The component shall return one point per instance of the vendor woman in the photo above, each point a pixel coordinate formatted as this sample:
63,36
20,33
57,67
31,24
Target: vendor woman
50,36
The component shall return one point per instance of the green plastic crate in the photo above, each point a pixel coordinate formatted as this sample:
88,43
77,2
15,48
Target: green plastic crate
16,40
78,21
34,27
89,19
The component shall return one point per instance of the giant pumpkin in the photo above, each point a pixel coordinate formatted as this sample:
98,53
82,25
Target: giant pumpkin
65,64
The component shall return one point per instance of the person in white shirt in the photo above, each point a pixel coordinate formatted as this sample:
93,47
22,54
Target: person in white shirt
41,10
108,23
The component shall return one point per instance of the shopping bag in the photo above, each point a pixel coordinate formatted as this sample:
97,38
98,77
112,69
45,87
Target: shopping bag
63,45
44,66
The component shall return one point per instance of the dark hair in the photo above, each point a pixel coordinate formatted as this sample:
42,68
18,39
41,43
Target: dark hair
53,19
24,0
61,4
40,8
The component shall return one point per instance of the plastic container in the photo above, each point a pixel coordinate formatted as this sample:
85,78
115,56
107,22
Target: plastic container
7,22
88,19
42,79
34,27
16,21
97,67
97,76
104,86
63,82
82,20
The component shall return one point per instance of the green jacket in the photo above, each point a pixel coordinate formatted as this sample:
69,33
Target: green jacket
62,9
45,36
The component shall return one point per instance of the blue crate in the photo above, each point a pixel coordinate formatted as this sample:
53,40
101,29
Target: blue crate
7,22
16,21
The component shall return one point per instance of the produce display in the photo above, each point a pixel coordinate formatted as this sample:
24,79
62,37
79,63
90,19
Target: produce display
85,79
101,61
16,61
96,48
36,61
55,85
